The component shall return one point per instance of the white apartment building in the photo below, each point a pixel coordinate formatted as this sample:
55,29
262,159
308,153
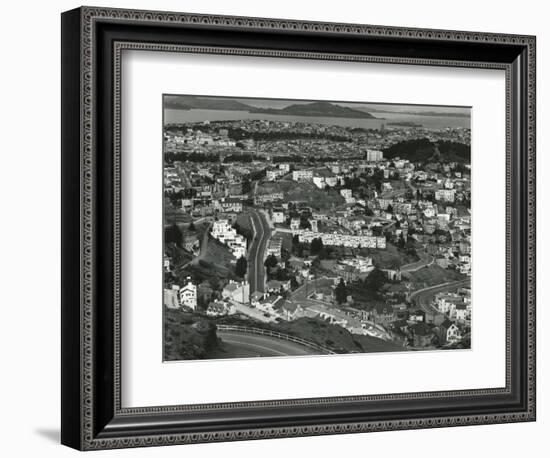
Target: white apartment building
352,241
314,225
384,203
446,195
284,166
295,223
362,264
298,175
263,198
278,215
374,155
272,175
319,182
222,231
346,193
188,295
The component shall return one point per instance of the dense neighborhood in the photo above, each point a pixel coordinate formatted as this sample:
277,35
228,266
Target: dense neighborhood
338,239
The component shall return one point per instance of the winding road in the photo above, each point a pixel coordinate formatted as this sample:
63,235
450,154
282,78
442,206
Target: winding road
423,297
244,345
425,260
256,254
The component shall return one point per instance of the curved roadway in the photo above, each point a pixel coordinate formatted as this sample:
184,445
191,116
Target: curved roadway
262,232
425,260
423,297
244,345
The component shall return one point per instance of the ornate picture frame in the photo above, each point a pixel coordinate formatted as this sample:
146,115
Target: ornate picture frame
92,42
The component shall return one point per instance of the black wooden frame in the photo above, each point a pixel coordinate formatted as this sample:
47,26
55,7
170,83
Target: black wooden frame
92,40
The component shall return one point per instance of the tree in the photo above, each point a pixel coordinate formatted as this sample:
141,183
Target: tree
341,292
270,261
241,267
401,241
246,185
375,281
172,234
316,246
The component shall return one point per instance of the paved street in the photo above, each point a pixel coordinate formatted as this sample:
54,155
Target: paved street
244,345
253,312
425,260
423,297
256,271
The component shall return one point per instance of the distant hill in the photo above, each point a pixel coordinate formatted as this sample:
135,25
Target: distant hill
453,114
423,150
190,102
316,109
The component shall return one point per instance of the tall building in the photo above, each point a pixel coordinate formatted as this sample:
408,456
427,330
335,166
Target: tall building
374,155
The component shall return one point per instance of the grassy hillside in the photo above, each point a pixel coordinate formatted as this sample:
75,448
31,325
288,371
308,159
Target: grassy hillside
304,192
187,336
435,275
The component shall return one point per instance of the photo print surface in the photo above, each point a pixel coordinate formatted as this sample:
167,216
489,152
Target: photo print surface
307,227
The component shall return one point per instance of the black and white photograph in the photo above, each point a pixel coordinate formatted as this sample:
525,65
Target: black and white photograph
279,223
314,227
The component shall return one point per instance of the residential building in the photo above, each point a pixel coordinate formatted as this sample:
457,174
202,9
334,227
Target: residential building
274,247
222,231
448,332
295,224
276,286
302,175
374,155
351,241
273,174
188,295
445,195
171,297
346,193
237,292
278,215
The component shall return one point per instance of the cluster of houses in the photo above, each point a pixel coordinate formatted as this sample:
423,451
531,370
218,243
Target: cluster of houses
417,329
424,205
431,216
456,306
186,297
198,138
226,234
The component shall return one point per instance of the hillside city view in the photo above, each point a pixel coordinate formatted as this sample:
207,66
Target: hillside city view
296,227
